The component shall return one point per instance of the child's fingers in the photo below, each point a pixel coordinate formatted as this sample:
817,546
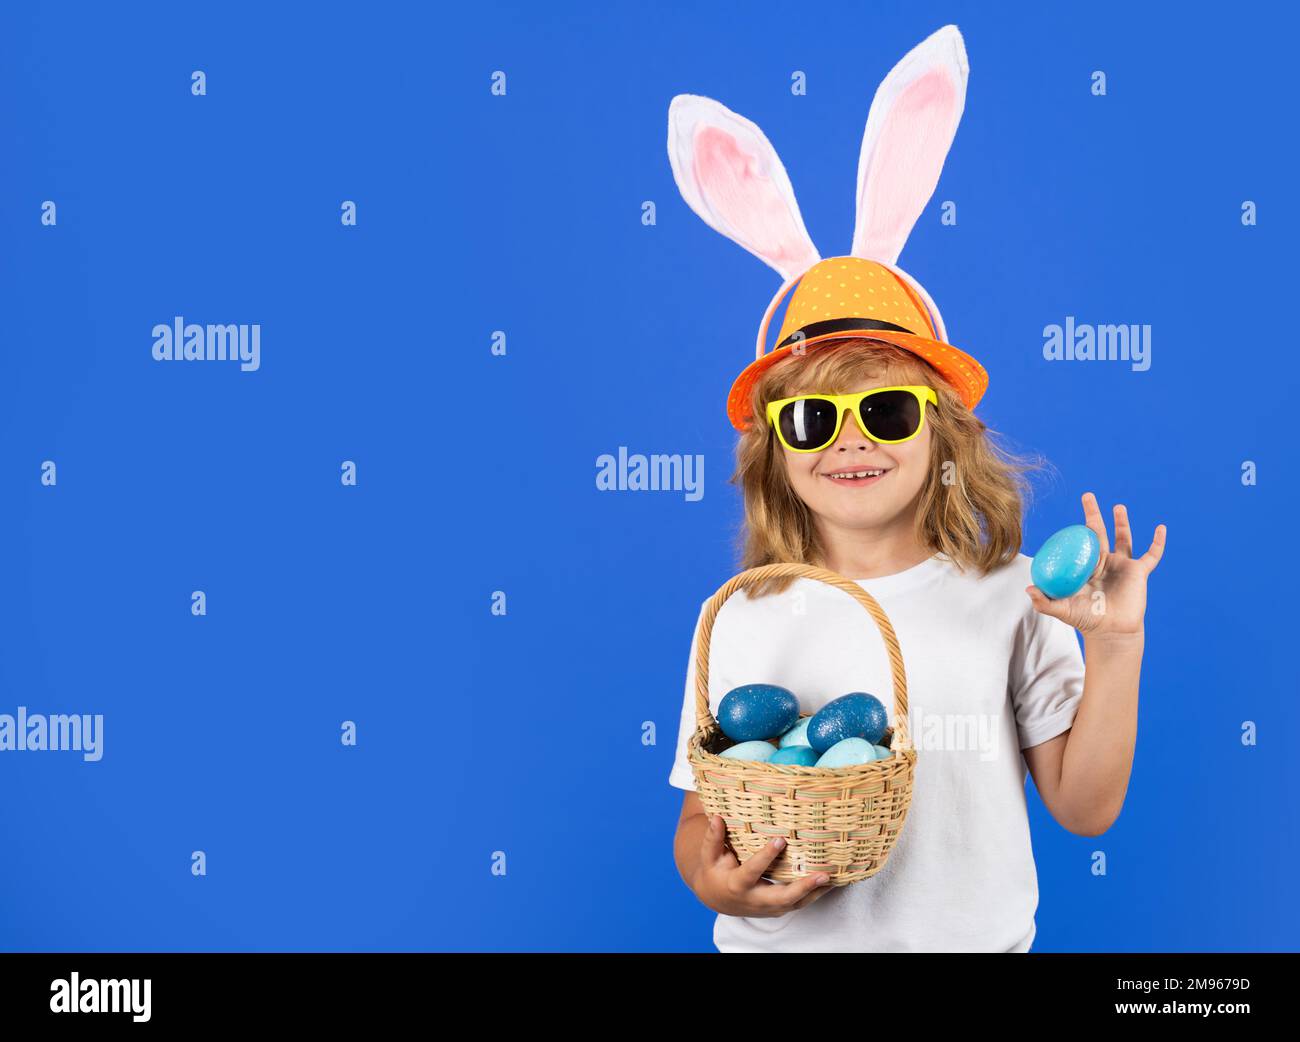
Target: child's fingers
713,846
1044,604
1093,519
1152,556
1123,533
750,873
796,894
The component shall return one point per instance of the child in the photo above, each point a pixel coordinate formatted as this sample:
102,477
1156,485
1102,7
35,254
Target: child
903,492
992,673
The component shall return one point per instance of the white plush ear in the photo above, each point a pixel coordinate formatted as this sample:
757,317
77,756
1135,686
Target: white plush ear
729,174
910,128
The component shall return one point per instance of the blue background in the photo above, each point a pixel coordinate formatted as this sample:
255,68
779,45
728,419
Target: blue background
522,213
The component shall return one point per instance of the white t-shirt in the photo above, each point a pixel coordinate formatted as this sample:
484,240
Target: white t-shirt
987,676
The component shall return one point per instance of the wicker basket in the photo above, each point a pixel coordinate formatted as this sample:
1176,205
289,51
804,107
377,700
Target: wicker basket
839,820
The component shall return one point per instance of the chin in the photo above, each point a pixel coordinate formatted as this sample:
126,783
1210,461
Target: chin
863,516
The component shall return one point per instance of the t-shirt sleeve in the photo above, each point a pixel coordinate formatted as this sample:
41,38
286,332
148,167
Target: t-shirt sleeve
681,775
1046,678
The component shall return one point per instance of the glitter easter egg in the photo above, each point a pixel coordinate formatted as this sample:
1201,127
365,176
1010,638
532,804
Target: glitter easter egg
1066,561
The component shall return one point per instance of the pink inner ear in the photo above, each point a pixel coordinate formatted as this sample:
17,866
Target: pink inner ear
906,159
739,192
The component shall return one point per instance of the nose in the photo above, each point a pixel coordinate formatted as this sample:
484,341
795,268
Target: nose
852,437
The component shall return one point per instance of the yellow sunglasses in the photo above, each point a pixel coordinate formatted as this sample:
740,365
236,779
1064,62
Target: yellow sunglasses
888,415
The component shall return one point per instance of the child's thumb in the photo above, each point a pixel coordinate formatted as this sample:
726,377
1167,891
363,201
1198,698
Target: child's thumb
1042,603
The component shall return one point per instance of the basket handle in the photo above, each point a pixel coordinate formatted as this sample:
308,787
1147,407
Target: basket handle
704,718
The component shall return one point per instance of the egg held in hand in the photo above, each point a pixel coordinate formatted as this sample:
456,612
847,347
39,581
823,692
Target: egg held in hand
1066,561
855,715
754,712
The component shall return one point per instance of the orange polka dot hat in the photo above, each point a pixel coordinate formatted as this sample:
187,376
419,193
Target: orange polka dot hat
731,176
843,297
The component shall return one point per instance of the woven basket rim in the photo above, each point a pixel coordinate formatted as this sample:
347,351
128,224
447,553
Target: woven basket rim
696,754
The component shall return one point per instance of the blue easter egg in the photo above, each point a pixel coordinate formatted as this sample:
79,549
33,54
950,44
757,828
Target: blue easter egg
797,735
882,753
856,715
757,711
1066,561
848,753
802,755
760,751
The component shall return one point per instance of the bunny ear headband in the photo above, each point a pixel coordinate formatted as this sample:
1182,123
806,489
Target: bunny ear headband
729,174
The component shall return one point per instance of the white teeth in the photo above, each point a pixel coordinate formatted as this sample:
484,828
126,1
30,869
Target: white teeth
858,474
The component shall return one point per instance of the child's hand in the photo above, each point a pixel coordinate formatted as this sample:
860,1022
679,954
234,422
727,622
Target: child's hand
1113,602
727,886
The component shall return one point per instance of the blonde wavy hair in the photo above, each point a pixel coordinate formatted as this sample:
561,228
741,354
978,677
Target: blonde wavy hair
975,520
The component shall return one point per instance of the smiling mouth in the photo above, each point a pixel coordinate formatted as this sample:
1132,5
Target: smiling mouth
866,476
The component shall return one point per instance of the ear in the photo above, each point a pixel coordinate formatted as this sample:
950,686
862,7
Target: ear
729,174
910,128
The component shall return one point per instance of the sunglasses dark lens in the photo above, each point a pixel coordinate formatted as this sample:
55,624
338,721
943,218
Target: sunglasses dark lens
891,415
808,423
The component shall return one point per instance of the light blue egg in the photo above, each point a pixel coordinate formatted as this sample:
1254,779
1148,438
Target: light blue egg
1066,561
759,751
882,753
848,753
797,735
801,755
